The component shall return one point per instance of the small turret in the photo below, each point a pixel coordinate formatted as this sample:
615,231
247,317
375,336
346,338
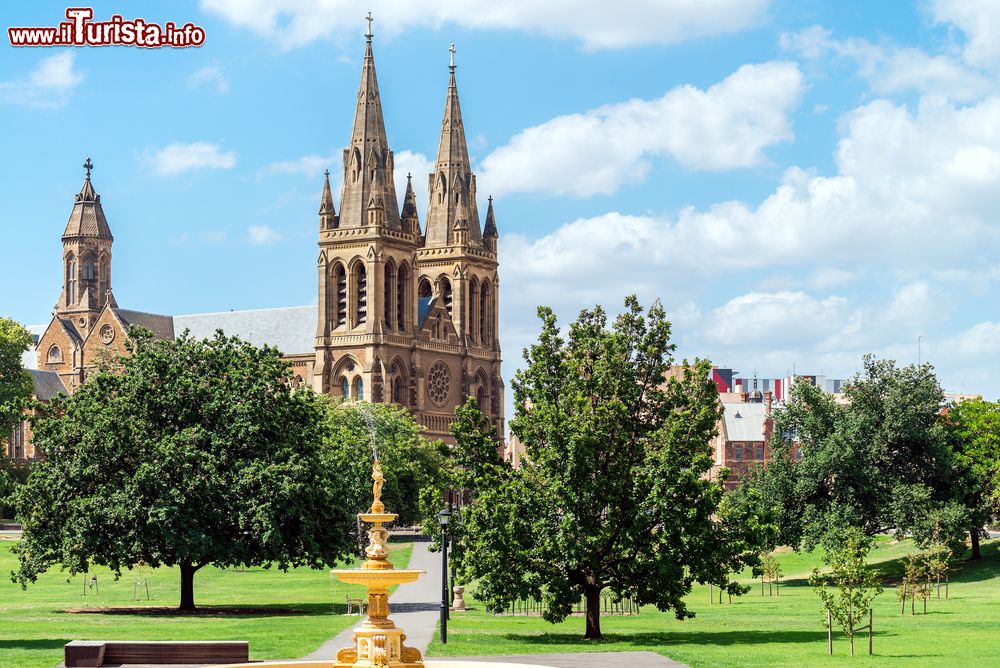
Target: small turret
490,229
327,215
409,216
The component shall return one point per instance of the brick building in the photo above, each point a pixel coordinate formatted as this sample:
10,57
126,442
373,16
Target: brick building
404,315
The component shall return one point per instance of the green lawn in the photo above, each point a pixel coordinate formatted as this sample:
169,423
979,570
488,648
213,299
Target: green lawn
303,609
771,630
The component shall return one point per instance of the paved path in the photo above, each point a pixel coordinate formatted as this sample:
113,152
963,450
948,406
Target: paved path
416,606
582,660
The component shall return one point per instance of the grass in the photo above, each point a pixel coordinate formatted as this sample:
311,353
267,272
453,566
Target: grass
780,630
282,615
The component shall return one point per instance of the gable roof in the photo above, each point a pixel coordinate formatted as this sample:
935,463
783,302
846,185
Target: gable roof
744,421
47,384
162,326
292,330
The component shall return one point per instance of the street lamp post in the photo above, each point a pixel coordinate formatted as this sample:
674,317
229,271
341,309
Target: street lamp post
443,517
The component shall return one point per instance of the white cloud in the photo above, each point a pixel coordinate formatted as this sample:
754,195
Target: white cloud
47,86
776,319
980,21
726,126
892,69
178,158
262,235
595,23
210,76
310,166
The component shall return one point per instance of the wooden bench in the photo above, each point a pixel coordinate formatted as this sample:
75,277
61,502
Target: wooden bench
96,653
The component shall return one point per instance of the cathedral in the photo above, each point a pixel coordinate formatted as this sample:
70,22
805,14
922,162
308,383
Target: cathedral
405,314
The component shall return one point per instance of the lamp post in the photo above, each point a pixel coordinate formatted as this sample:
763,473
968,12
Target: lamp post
443,517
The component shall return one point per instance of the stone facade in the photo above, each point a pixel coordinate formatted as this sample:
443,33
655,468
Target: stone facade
404,316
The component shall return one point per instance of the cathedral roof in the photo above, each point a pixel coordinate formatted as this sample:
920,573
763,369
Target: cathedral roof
47,384
162,326
87,217
453,173
292,330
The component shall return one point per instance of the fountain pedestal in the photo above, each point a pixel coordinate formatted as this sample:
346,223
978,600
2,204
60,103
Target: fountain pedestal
378,643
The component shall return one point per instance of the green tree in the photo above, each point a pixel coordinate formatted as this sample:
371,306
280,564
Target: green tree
856,584
410,462
15,382
880,462
613,492
974,435
194,453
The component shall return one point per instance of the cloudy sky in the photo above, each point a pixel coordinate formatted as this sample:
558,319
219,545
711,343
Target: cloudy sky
800,182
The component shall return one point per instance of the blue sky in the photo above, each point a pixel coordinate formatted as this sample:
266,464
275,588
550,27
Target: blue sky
800,182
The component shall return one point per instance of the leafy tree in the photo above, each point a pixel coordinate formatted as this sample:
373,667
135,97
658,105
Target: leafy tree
856,584
613,492
15,382
194,453
880,462
974,435
410,462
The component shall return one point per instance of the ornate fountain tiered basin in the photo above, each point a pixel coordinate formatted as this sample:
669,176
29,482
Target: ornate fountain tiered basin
378,642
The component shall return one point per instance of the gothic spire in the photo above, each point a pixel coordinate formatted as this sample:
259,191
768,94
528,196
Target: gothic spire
409,216
87,217
327,214
490,229
367,159
453,183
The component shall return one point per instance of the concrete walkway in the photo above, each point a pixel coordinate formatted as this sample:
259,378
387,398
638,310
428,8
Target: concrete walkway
581,660
415,606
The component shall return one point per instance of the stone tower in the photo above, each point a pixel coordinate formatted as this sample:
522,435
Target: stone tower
86,259
405,317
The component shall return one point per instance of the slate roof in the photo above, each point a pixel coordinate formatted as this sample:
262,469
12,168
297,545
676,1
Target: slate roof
87,217
162,326
744,421
292,330
47,384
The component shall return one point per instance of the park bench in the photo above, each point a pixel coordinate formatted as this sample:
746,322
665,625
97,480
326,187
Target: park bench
353,603
96,653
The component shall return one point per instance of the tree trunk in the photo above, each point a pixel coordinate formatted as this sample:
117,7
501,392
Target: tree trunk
976,553
592,593
187,585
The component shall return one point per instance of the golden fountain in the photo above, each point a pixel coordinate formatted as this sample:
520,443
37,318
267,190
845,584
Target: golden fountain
377,642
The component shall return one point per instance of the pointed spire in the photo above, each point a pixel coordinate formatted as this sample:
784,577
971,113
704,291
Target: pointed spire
327,214
453,183
367,158
87,217
409,216
490,229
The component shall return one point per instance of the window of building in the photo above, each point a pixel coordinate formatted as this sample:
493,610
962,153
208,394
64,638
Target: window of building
760,453
401,298
55,355
345,387
341,279
397,391
798,454
485,313
105,273
738,452
447,295
359,389
387,293
71,279
16,449
362,295
88,267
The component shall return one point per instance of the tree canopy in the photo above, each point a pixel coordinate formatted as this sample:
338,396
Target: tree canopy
880,461
189,453
974,434
612,492
15,382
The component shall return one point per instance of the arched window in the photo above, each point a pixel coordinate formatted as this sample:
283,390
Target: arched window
359,389
397,391
388,292
105,274
446,294
340,281
425,289
345,387
442,187
473,326
355,165
88,267
401,299
485,313
481,398
360,280
54,355
71,279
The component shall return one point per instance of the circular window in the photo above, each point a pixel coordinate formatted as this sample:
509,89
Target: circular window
438,383
107,334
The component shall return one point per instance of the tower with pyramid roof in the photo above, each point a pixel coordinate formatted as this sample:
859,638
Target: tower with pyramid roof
407,316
